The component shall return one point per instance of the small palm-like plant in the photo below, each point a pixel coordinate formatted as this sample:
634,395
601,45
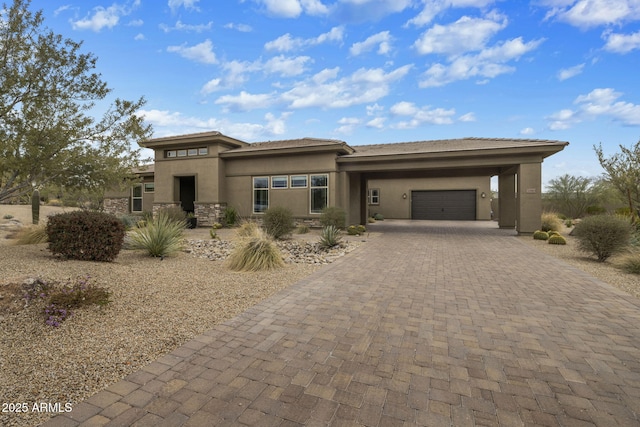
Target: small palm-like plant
330,237
255,253
160,237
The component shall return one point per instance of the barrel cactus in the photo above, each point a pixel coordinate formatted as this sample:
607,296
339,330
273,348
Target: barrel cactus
557,239
540,235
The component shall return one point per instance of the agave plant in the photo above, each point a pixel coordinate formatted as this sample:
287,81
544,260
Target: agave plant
330,237
160,237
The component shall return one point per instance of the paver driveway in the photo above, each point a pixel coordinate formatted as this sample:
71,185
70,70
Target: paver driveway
430,323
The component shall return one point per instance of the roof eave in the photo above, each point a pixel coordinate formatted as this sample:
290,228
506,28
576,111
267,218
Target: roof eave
190,139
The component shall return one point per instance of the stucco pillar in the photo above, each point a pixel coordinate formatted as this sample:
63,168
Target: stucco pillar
529,198
507,200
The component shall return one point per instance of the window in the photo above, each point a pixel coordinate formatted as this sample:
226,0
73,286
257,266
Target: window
319,193
190,152
279,182
136,198
373,197
299,181
260,194
149,187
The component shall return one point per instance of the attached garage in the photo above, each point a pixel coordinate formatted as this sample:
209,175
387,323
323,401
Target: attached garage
457,205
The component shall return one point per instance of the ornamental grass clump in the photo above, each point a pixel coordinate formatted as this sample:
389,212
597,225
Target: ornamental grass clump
255,253
630,262
550,221
161,237
330,237
31,235
602,235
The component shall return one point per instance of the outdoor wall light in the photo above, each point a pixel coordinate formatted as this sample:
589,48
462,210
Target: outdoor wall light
404,195
483,194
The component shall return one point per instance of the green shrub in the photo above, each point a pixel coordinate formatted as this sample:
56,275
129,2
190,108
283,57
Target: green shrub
31,235
352,230
378,217
255,253
129,221
278,222
160,237
330,237
333,216
85,235
213,233
361,229
602,235
550,221
216,226
230,217
540,235
7,216
302,229
568,223
557,239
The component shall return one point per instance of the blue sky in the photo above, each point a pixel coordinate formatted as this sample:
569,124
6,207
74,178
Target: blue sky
374,71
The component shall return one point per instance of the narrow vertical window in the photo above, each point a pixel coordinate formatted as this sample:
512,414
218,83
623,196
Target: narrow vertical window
136,198
319,193
374,196
260,194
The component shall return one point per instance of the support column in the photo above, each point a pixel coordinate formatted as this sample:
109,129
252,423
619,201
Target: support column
507,200
529,198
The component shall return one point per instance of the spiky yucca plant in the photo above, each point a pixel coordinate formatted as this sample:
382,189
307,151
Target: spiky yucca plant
330,237
160,237
255,253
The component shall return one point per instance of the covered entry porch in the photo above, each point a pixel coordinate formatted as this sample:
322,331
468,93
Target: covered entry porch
447,180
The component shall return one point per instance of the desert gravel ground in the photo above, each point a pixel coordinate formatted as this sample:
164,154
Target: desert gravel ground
156,306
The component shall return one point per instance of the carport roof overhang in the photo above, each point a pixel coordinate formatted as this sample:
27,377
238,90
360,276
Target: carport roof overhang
483,156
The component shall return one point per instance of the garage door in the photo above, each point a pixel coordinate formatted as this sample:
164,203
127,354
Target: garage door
444,205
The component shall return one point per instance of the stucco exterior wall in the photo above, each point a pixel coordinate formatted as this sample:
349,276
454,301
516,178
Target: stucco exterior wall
393,205
239,174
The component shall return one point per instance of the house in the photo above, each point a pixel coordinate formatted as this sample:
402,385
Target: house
445,179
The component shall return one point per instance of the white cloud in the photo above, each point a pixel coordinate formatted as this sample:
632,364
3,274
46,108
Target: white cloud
348,125
469,117
377,123
211,86
593,13
489,63
202,52
421,115
104,17
286,67
432,8
168,123
180,26
382,41
286,43
187,4
465,35
325,91
601,102
139,36
245,101
622,43
294,8
567,73
243,28
527,131
374,109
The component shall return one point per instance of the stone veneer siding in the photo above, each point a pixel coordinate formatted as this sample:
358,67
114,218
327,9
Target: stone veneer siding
159,206
116,206
209,213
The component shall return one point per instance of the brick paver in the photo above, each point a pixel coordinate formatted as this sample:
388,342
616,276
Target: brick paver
429,323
